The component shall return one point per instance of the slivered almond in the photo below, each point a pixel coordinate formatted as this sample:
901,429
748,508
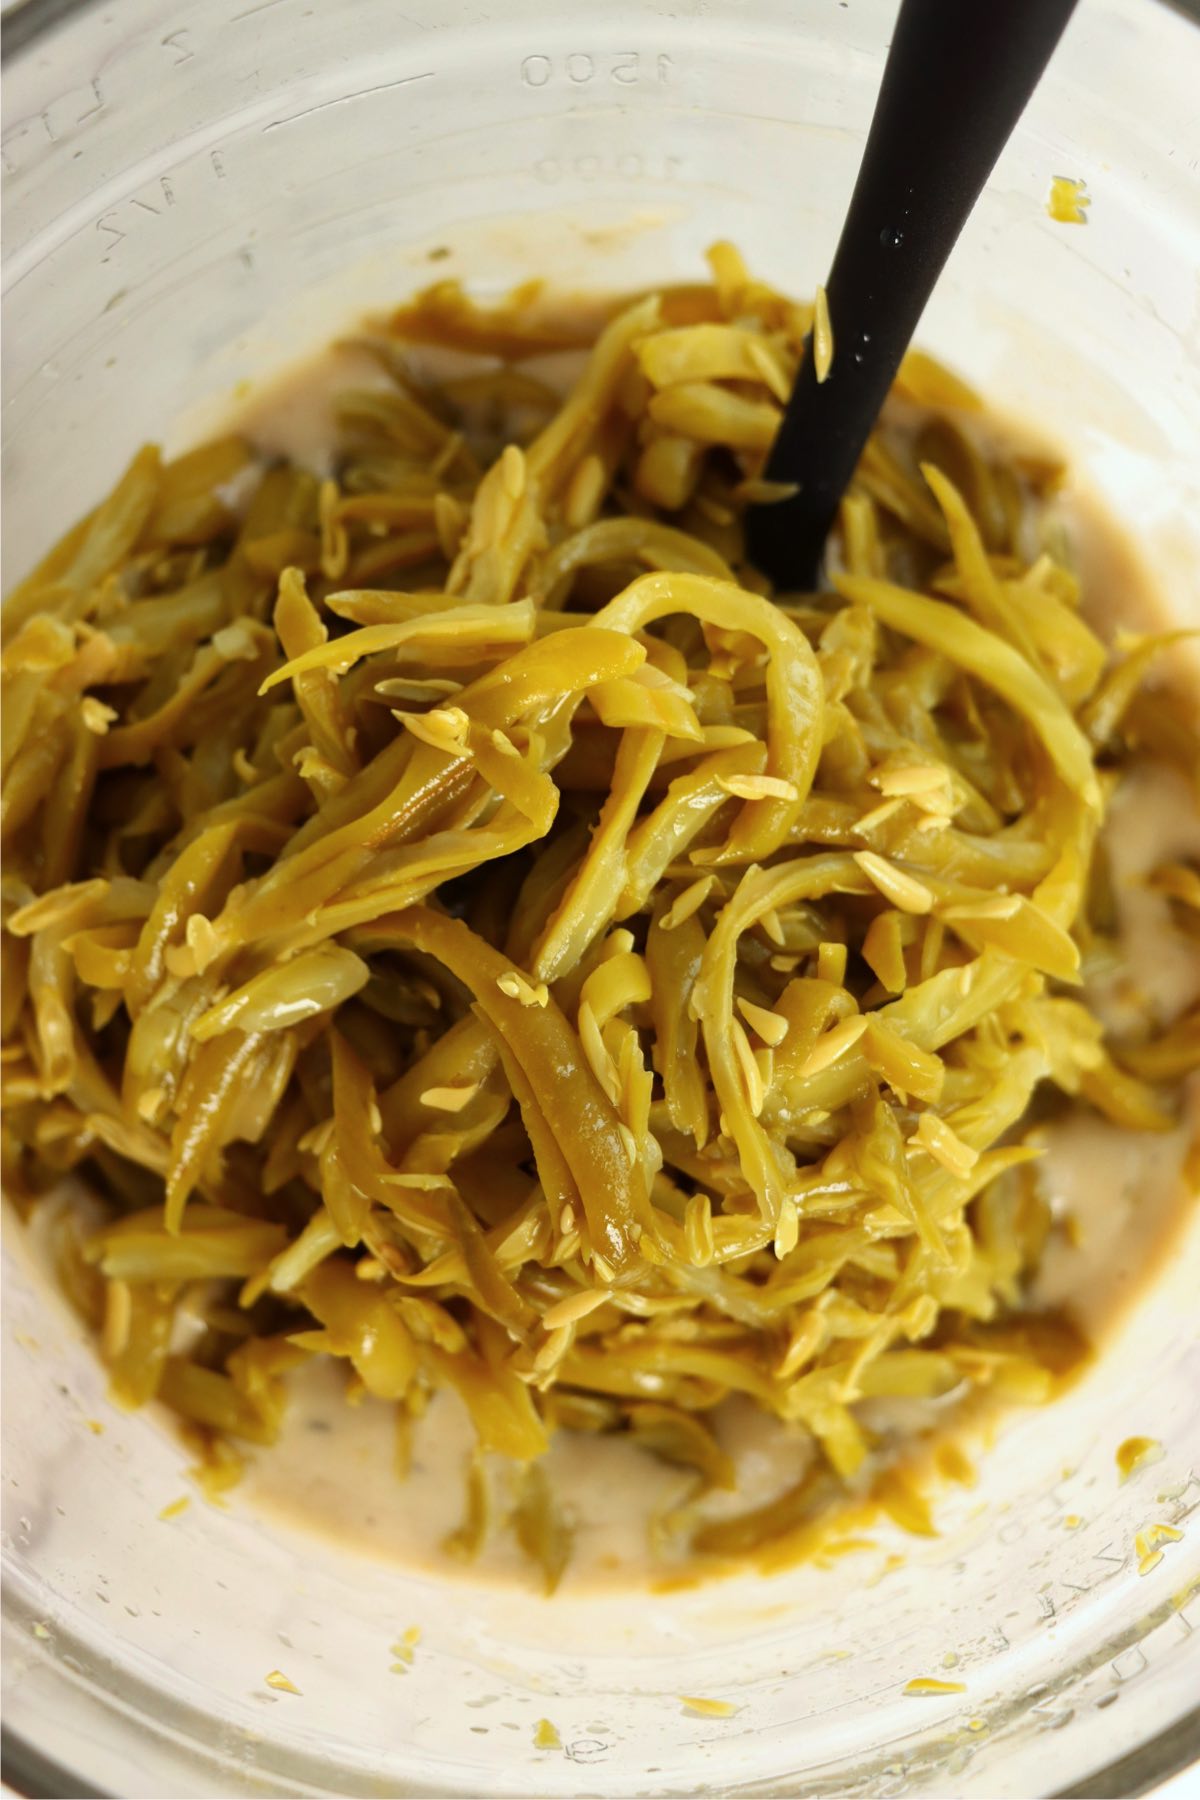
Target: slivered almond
448,521
316,1137
995,906
771,1027
236,642
585,490
698,1230
944,1145
751,1074
449,1099
708,1709
553,1350
903,890
758,787
917,778
513,472
149,1103
774,378
95,715
879,815
515,985
833,1045
787,1227
831,963
822,335
754,491
443,728
688,902
574,1307
770,923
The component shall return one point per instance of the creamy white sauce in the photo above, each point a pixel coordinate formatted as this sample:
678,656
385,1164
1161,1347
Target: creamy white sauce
334,1470
1153,819
335,1467
1121,1192
296,416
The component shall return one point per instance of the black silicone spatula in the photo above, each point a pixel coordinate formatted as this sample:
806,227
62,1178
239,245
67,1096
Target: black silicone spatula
958,75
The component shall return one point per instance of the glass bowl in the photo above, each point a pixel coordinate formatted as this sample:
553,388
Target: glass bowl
198,192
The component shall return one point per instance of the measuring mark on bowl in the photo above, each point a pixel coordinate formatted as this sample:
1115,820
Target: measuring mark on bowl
627,68
630,165
382,87
174,41
249,12
90,96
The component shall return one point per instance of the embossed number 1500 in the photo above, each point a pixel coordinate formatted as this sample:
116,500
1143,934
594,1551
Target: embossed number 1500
625,67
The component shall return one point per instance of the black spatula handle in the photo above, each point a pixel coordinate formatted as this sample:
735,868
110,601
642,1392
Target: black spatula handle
958,75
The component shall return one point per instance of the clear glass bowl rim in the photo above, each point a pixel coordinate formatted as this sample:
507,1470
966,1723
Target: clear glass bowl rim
28,1771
